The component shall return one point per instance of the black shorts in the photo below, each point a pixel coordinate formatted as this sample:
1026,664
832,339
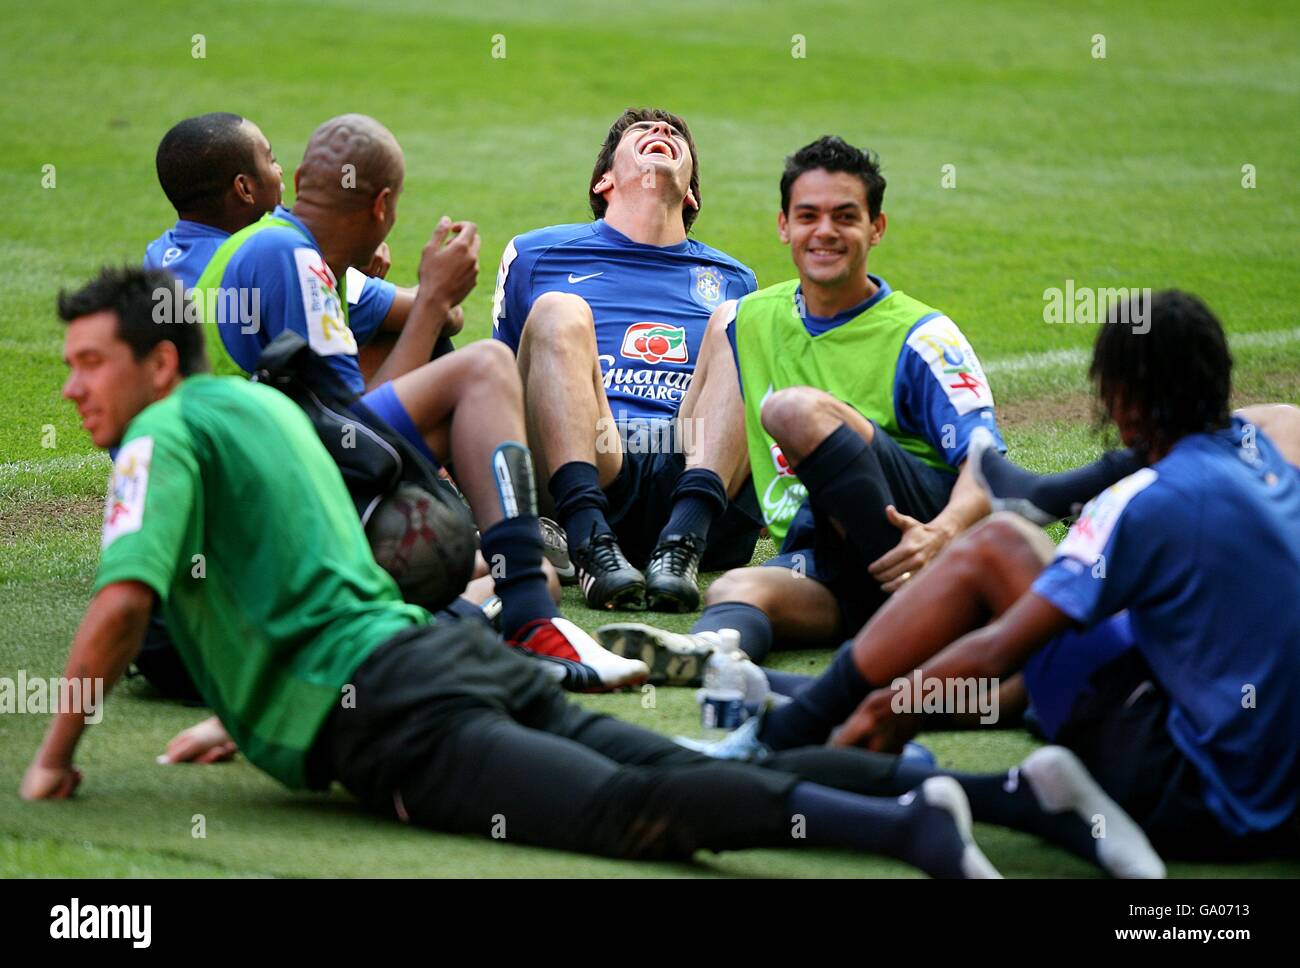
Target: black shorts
1118,729
452,730
641,500
813,546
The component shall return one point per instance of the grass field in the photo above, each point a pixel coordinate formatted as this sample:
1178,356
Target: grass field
1125,170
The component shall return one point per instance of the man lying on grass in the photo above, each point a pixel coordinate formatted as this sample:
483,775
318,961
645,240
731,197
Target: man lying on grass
317,671
1160,641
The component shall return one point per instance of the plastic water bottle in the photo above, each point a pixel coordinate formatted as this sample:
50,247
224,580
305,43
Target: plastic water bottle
722,700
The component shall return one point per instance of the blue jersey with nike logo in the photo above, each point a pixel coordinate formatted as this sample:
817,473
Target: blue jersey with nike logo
650,303
186,248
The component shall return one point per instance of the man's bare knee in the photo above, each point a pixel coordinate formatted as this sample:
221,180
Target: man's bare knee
556,316
736,585
1004,537
799,418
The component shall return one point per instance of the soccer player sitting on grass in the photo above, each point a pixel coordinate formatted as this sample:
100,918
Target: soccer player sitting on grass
218,171
1159,641
317,671
859,404
644,463
463,410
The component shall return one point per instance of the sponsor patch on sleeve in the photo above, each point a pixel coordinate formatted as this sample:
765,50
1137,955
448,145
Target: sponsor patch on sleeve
356,283
954,364
327,330
1087,539
124,508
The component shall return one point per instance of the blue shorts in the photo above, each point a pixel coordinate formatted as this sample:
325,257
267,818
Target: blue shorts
1060,673
383,401
641,500
813,547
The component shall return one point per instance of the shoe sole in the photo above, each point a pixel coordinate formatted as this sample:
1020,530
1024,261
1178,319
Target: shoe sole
669,664
666,601
1061,782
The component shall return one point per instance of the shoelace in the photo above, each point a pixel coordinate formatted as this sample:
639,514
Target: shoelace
605,554
676,554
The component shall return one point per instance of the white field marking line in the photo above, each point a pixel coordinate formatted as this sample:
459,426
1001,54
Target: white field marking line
1052,359
10,470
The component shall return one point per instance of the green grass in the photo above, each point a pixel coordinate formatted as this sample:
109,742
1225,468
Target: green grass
1122,171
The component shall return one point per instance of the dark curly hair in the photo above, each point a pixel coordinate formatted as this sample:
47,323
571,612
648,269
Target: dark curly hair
830,153
1176,370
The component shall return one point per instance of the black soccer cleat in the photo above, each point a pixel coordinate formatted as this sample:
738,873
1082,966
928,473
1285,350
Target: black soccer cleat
607,579
673,574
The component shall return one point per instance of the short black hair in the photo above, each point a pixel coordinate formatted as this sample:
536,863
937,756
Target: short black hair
199,158
134,295
1175,368
832,153
605,160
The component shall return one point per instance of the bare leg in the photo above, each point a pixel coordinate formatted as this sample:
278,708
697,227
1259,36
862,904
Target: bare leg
802,611
466,404
1280,422
568,417
977,578
800,418
711,420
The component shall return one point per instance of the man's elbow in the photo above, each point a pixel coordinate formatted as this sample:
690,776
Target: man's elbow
130,602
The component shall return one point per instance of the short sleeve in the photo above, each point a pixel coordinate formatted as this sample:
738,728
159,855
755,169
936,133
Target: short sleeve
512,299
369,301
1119,554
940,391
149,509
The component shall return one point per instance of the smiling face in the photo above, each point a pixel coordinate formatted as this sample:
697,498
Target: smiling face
653,155
829,228
108,385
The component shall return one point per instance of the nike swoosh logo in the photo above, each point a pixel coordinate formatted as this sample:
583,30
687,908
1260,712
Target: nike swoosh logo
574,280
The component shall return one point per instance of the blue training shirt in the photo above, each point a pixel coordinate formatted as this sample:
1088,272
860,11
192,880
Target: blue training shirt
651,305
187,247
1203,549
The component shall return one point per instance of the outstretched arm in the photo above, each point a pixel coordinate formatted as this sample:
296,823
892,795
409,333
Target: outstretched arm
107,640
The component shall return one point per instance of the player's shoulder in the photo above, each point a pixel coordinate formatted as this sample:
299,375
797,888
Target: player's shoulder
551,236
705,252
1144,501
778,291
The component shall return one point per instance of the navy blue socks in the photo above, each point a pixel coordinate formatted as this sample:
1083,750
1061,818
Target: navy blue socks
819,707
699,499
580,504
754,628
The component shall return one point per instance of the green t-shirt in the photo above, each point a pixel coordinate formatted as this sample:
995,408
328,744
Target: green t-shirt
225,503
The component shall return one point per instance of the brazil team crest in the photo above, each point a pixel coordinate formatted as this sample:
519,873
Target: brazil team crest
708,287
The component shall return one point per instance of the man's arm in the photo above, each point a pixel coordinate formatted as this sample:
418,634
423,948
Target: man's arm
997,650
106,641
404,301
447,275
921,541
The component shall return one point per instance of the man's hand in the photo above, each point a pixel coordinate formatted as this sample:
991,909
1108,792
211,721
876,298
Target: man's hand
380,262
449,272
919,544
205,742
49,782
875,726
